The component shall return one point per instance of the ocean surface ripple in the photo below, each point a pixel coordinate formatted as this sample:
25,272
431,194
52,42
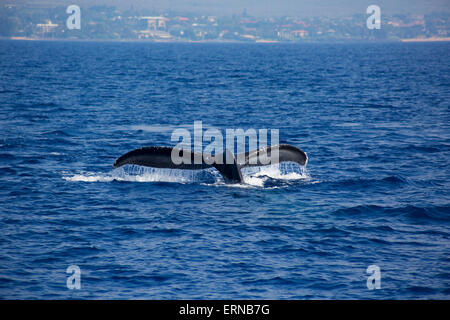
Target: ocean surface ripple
373,118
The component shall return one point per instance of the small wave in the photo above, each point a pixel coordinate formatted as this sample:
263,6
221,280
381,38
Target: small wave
411,148
363,182
395,180
60,133
161,128
437,213
7,156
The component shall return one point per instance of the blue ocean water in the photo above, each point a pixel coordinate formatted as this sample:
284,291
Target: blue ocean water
373,118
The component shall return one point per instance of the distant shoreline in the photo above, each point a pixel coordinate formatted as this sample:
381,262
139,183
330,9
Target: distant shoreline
135,40
432,39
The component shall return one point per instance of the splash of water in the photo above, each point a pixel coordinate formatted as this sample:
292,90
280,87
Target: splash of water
286,171
256,176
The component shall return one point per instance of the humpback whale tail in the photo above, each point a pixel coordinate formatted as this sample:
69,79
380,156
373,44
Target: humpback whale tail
162,157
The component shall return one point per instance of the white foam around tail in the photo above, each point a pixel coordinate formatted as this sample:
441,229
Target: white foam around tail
255,176
137,174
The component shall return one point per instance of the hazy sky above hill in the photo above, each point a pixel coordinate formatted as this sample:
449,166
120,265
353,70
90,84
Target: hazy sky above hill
301,8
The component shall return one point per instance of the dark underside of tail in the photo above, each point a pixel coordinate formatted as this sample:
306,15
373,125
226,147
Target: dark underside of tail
162,157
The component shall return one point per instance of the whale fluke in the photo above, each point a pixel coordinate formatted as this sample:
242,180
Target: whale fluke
161,157
286,153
